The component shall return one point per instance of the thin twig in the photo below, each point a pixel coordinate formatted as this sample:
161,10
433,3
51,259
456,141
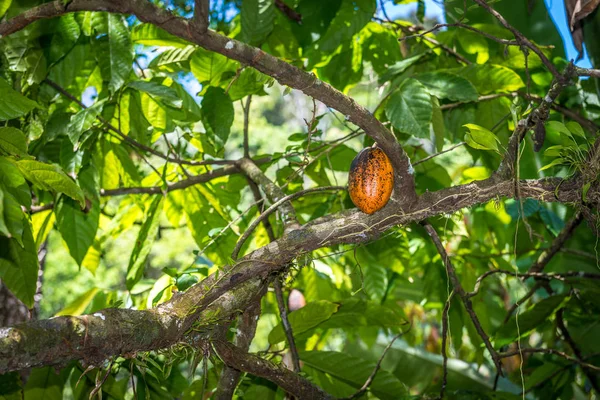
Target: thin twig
274,207
371,377
444,344
439,153
461,293
128,139
521,38
549,351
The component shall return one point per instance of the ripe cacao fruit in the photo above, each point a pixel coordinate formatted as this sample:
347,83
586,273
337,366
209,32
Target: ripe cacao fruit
371,180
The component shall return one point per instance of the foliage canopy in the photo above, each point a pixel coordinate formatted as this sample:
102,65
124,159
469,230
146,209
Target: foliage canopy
181,187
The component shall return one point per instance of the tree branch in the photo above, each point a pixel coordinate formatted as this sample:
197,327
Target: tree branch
371,377
201,13
523,41
289,381
285,73
461,293
128,139
246,329
246,276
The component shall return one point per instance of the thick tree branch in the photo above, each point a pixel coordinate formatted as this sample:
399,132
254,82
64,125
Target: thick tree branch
19,350
285,73
246,329
278,374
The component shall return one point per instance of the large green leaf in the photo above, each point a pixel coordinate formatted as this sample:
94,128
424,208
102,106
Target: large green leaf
309,316
143,244
14,182
354,312
78,306
44,384
399,67
257,20
11,216
151,35
13,142
77,227
66,32
164,93
11,387
217,108
520,325
19,265
491,78
4,5
82,121
12,103
117,58
480,138
208,66
355,371
445,85
173,56
50,177
352,16
409,109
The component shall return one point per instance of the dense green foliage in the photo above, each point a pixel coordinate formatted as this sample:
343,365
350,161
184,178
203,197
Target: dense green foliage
155,106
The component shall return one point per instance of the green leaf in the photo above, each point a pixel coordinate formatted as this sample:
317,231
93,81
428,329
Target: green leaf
66,32
208,66
556,162
14,182
77,227
44,384
352,16
11,217
143,244
119,55
309,316
445,85
19,265
78,306
481,138
355,371
4,5
575,129
399,67
218,112
151,35
528,320
11,387
474,43
375,280
409,109
159,92
257,20
13,142
437,123
12,103
354,312
51,178
173,56
82,121
491,78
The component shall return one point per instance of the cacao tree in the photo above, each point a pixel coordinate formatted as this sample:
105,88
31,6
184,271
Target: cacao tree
181,170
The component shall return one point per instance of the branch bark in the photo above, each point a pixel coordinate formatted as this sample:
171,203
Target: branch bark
201,13
230,290
283,377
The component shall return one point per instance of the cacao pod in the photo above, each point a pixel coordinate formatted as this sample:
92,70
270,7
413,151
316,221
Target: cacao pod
371,180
